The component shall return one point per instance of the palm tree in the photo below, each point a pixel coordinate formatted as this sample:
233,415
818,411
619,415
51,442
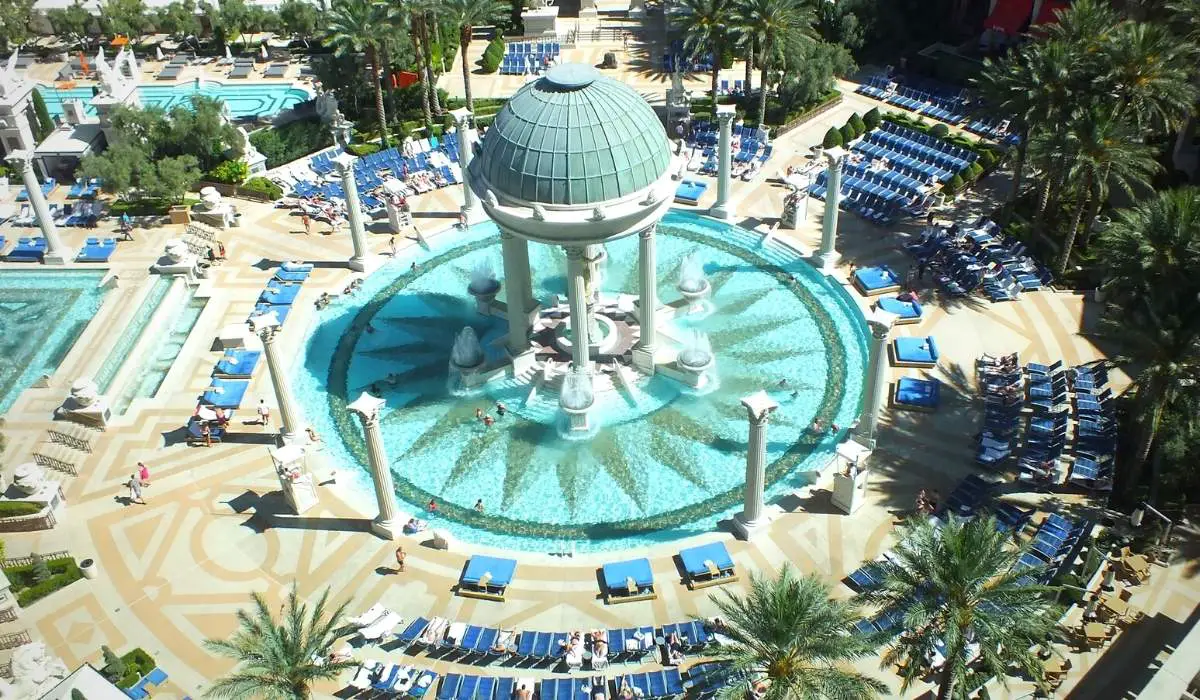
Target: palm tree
424,14
1051,69
958,590
773,26
278,659
1152,258
705,27
788,633
1104,151
468,14
1150,76
354,26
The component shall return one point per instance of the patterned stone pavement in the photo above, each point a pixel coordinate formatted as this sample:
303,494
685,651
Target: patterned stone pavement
174,571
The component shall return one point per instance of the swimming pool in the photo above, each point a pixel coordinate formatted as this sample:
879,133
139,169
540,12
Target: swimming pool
665,463
243,99
42,314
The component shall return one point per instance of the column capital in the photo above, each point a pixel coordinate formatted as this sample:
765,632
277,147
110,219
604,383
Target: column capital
880,323
835,156
726,113
462,117
344,163
575,252
266,326
759,407
22,159
367,407
648,232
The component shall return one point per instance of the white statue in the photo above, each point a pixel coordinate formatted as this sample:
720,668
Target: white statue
34,671
175,251
85,392
8,78
108,81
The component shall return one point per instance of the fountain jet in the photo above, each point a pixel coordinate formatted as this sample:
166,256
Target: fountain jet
696,360
466,362
575,399
693,285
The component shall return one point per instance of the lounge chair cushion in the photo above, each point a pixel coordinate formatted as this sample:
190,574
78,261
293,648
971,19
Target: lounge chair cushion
905,310
922,393
498,572
915,351
876,280
696,560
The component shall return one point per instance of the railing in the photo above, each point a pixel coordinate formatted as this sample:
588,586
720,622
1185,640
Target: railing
809,115
26,561
14,640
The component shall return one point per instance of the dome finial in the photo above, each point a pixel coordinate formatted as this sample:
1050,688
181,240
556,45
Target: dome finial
571,76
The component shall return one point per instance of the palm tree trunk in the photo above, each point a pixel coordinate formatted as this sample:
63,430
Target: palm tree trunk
425,111
762,96
380,114
946,683
427,46
1065,257
464,42
749,77
1094,209
1019,167
1048,186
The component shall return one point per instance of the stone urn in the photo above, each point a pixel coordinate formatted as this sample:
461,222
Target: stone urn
175,251
84,392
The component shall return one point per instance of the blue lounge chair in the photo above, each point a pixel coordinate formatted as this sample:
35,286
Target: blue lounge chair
906,311
413,631
876,280
486,577
279,294
237,364
448,688
283,275
3,244
96,250
708,565
629,580
690,192
914,352
225,393
261,309
195,434
156,677
28,250
917,394
421,686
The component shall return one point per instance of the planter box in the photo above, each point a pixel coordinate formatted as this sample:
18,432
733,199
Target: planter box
180,214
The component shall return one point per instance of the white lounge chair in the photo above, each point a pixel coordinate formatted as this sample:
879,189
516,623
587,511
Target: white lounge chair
404,680
362,679
381,627
454,635
372,614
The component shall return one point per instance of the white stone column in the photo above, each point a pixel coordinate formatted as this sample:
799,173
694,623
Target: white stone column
875,391
57,253
753,516
828,255
643,355
367,407
358,234
722,209
466,136
515,251
292,418
577,295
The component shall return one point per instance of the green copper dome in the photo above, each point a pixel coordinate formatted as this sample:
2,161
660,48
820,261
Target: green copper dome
573,137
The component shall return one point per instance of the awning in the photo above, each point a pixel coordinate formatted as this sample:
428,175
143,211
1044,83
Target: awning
1046,14
1009,16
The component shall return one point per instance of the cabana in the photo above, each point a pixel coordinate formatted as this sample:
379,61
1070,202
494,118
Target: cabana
915,394
628,581
906,311
237,363
707,565
486,577
876,280
690,192
225,393
914,352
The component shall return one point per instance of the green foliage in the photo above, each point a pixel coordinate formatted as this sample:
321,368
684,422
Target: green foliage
73,22
363,149
125,17
954,185
860,126
114,666
231,172
40,571
77,694
14,22
988,159
294,140
492,55
789,632
263,186
147,206
28,589
809,79
848,134
178,18
45,124
276,657
12,509
940,130
872,119
974,170
833,138
137,664
299,17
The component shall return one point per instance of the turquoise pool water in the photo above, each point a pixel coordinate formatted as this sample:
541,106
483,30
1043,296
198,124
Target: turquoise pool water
119,355
41,317
243,99
665,463
146,383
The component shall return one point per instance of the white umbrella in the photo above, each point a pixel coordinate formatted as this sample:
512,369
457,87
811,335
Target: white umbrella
263,51
228,53
158,55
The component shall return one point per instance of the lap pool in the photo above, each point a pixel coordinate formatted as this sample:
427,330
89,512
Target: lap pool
243,99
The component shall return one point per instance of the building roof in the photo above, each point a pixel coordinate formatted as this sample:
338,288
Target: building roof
573,137
88,681
79,140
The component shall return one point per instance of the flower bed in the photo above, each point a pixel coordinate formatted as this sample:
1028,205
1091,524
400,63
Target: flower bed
63,572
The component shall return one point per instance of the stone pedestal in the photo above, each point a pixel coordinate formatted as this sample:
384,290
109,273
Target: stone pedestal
849,490
722,209
753,517
367,408
299,487
471,210
177,259
828,256
875,392
540,21
85,405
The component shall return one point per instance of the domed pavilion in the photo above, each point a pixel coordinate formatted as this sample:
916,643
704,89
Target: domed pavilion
576,159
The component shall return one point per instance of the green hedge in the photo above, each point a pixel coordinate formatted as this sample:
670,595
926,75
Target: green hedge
12,509
150,206
833,138
954,185
363,149
63,573
137,664
848,134
860,125
940,130
263,186
230,172
492,55
872,118
286,143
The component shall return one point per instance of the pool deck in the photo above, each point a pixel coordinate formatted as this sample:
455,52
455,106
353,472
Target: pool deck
174,571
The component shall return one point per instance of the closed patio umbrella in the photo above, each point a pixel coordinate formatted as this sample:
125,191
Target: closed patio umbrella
228,53
158,54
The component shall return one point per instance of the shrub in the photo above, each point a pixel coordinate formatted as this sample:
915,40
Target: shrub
363,149
291,141
77,694
833,138
137,664
42,116
940,130
114,666
860,126
12,509
847,134
974,170
492,55
28,589
954,185
40,571
263,186
988,159
872,118
231,172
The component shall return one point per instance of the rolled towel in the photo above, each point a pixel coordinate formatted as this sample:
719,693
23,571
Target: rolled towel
631,585
712,567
